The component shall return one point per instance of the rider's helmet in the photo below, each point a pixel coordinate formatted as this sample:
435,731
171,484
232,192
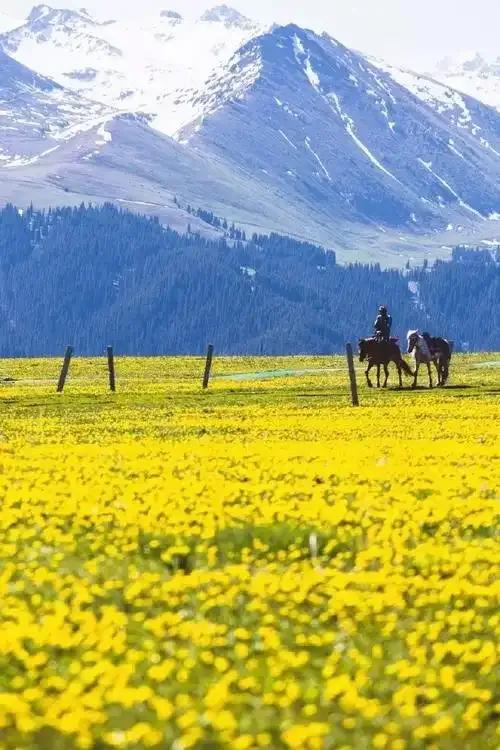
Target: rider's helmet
383,310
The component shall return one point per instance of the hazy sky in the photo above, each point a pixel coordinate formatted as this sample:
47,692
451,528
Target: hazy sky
411,32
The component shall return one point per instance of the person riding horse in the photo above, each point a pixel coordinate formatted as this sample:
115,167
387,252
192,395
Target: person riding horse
382,349
383,325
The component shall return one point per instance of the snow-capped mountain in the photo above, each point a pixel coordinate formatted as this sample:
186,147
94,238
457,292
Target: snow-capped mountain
278,130
153,66
37,114
326,125
474,75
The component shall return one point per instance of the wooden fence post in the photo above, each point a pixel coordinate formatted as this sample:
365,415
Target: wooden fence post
208,367
111,369
352,375
64,369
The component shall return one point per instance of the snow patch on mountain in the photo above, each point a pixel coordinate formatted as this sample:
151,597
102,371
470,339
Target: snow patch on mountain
313,152
304,59
17,160
230,17
472,74
464,112
440,97
447,186
351,130
247,271
287,139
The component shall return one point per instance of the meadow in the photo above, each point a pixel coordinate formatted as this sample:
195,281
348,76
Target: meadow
255,566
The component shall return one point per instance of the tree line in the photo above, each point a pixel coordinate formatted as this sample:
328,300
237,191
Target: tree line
97,275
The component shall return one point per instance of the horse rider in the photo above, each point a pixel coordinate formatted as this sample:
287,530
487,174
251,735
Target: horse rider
383,325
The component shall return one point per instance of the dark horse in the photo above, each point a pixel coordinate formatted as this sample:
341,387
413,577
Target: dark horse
382,353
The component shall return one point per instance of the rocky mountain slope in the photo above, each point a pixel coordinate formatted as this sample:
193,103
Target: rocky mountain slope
331,128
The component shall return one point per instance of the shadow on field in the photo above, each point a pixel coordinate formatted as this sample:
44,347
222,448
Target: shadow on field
405,389
325,394
426,389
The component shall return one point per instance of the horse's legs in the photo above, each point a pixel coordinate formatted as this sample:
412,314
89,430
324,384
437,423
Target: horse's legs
445,371
430,374
367,373
400,374
378,376
386,372
417,367
439,369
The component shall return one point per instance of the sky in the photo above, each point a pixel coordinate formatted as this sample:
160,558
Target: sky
408,32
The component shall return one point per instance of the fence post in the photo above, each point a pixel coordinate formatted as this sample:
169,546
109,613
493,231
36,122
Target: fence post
208,366
111,369
64,369
352,375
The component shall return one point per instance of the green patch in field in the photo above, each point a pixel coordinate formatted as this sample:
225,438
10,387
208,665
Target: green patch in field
268,374
493,363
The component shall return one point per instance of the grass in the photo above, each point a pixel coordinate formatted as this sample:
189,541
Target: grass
257,565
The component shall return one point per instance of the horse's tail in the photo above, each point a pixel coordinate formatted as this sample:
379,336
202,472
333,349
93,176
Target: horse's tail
446,348
406,367
445,373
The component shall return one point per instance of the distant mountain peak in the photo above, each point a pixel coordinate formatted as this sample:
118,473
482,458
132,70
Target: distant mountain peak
42,12
39,11
473,73
473,62
226,15
171,15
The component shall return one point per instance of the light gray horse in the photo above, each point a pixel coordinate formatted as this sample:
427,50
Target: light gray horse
420,346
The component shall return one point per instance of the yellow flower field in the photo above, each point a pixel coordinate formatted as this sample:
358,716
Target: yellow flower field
255,566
